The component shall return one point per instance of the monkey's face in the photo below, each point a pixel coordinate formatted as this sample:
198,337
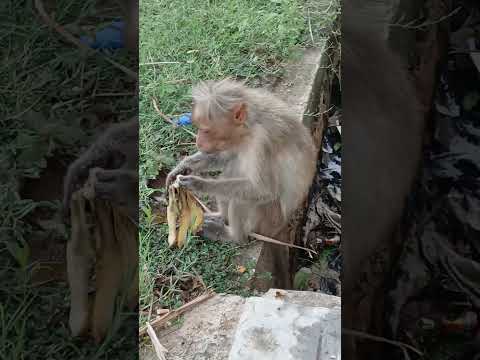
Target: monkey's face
217,136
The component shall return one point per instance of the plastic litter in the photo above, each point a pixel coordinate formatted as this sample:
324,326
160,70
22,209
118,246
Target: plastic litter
110,37
185,119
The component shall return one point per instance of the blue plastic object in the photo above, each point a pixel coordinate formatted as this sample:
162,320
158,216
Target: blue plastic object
185,119
110,37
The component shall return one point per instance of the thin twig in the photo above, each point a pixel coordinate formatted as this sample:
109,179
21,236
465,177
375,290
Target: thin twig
332,216
115,94
159,63
273,241
44,282
258,236
410,25
70,38
167,119
179,81
364,335
175,313
310,26
150,310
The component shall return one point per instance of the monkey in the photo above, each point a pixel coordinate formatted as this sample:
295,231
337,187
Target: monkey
266,156
382,141
115,152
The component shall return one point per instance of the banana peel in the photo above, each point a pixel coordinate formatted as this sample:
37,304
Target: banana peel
184,215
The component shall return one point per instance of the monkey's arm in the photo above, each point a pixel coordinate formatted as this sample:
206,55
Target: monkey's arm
239,188
196,163
77,174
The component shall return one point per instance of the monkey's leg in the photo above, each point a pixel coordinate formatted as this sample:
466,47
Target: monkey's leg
237,232
240,223
275,258
222,205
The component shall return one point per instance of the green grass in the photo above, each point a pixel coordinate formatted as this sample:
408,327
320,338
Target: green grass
52,98
180,44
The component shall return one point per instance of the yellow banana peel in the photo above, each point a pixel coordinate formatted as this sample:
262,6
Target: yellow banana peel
184,215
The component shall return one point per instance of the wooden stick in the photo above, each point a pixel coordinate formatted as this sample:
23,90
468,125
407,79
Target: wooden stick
70,38
175,313
159,348
258,236
273,241
167,119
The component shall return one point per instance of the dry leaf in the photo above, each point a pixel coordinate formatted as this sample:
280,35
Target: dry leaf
241,269
279,295
183,209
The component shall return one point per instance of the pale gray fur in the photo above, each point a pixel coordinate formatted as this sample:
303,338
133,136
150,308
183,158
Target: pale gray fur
273,124
274,165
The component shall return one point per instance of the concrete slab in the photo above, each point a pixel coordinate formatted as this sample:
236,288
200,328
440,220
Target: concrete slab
300,86
205,333
304,324
272,329
304,298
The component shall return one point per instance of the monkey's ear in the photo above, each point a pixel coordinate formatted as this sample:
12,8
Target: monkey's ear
240,113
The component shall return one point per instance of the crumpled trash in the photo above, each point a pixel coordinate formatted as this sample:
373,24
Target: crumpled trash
331,166
110,37
185,119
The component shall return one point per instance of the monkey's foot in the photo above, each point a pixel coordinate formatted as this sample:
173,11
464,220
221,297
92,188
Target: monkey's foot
214,228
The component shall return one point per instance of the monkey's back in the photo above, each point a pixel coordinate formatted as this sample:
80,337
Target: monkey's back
289,146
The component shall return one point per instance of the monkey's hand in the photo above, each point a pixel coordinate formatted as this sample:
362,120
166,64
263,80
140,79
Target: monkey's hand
196,163
120,187
74,180
172,175
241,188
192,183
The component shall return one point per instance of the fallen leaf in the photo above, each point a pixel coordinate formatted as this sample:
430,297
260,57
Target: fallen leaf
241,269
